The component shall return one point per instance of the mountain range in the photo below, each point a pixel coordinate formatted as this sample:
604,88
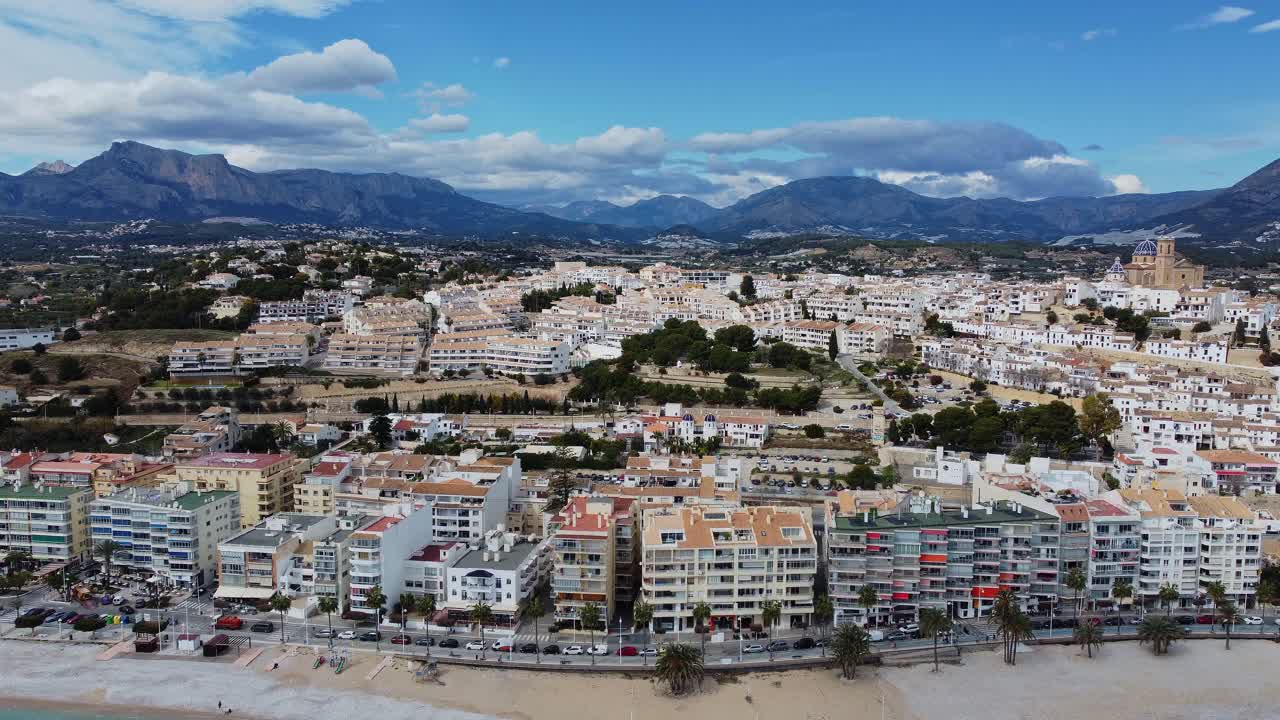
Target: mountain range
131,180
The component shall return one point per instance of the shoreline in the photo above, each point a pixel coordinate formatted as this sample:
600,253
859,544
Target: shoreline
92,709
1197,679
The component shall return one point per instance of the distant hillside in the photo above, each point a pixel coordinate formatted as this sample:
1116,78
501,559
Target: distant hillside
658,212
132,180
1247,212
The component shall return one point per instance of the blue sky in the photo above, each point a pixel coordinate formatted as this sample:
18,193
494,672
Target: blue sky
550,102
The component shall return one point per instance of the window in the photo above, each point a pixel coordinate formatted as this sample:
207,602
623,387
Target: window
792,532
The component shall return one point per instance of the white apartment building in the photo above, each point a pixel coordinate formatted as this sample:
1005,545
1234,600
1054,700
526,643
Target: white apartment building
47,523
841,308
734,559
25,338
259,352
1211,351
378,550
810,334
863,339
507,355
172,532
381,354
502,571
1230,546
315,306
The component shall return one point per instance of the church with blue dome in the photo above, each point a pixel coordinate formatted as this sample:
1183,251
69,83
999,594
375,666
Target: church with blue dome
1156,264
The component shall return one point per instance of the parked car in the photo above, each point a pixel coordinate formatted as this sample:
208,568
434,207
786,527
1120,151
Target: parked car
118,600
503,646
425,641
599,649
804,643
649,651
574,650
529,649
127,610
628,651
401,640
1251,620
753,648
551,650
909,628
323,633
778,646
1205,620
347,635
262,626
369,636
475,645
449,643
1184,619
897,635
228,622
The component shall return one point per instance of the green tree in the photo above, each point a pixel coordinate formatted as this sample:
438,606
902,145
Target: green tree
680,666
560,485
281,604
1160,632
407,603
850,645
69,369
589,616
868,598
1228,616
833,345
1201,327
1076,581
770,614
107,550
377,600
329,606
1098,418
641,616
933,623
380,429
747,288
1121,590
701,616
823,612
814,431
1168,595
481,615
1240,334
534,608
739,337
1264,340
1088,636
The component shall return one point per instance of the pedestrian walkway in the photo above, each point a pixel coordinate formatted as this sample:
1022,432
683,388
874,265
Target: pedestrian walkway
118,649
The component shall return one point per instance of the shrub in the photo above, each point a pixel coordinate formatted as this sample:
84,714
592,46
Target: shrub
89,624
149,627
21,366
28,622
814,431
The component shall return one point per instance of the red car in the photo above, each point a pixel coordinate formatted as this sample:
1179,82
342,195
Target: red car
1205,620
628,651
401,640
228,622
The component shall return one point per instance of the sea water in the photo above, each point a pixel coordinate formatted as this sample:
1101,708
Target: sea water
33,714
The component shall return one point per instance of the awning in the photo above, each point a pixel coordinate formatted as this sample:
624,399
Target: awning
254,593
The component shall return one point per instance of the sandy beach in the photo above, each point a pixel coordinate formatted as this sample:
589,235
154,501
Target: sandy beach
1197,680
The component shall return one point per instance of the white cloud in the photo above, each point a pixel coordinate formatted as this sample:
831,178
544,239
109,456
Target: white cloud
1265,27
619,142
1090,35
212,10
501,63
432,99
437,123
345,66
1224,15
1127,183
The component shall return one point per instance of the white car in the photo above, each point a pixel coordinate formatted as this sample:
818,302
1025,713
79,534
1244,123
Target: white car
844,426
752,649
649,651
574,650
347,635
598,650
1251,620
475,645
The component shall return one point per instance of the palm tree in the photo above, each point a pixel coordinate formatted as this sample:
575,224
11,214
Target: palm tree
934,622
770,613
481,615
823,611
1216,591
589,616
1168,595
850,644
701,615
1019,630
281,604
868,598
14,561
1160,632
1088,636
329,606
1076,581
407,603
641,616
680,667
534,608
1121,590
1228,615
377,600
1268,594
427,606
107,550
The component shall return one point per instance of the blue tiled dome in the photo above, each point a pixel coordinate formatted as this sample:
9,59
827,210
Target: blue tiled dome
1146,247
